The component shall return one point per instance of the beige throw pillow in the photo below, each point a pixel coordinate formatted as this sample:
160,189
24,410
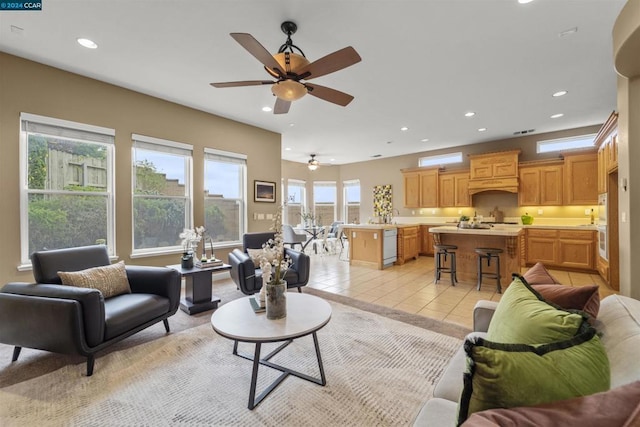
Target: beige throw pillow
110,280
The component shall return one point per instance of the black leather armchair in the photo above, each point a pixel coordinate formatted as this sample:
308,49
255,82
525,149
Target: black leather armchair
248,278
47,315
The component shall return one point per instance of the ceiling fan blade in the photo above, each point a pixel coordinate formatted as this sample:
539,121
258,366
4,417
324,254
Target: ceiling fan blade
335,61
257,50
329,94
281,107
244,83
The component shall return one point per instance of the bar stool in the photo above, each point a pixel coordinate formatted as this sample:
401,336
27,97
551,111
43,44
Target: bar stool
489,254
444,251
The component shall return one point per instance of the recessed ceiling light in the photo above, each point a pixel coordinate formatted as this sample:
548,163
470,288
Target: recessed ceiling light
555,116
560,93
332,160
292,124
89,44
524,1
266,109
424,140
482,129
469,114
404,128
287,149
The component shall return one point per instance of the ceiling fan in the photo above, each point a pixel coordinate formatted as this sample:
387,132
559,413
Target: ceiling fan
292,70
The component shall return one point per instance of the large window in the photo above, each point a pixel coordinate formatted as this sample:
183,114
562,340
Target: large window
324,202
351,201
161,193
296,201
225,196
67,191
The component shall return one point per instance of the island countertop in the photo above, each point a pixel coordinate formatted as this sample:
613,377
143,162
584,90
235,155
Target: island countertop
493,231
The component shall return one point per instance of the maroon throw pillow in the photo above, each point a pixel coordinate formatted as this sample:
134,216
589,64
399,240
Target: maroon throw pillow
584,298
539,275
619,406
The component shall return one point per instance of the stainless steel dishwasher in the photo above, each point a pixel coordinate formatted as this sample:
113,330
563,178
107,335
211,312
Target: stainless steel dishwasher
390,246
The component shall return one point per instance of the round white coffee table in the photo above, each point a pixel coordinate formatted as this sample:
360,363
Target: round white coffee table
306,314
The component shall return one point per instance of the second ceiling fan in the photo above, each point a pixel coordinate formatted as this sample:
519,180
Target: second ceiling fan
292,70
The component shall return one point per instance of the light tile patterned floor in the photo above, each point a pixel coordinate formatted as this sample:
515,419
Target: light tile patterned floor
411,288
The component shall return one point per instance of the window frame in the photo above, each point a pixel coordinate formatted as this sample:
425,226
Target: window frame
441,159
161,145
75,131
236,158
303,201
345,203
560,143
332,184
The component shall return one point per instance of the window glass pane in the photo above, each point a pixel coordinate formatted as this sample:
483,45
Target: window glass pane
158,221
563,144
441,159
59,164
296,202
324,200
59,221
161,198
159,173
352,193
68,197
224,203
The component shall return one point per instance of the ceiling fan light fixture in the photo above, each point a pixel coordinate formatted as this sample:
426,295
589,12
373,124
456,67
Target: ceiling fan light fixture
289,90
290,63
313,163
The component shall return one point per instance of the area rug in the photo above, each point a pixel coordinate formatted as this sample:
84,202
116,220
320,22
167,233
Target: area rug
379,372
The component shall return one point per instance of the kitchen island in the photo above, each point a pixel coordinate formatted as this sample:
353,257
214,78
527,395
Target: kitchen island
381,245
468,239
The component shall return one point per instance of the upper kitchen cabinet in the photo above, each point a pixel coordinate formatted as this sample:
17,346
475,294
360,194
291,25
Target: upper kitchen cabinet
453,189
420,188
581,178
494,171
607,142
540,184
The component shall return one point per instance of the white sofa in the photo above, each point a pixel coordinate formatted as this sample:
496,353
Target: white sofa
618,325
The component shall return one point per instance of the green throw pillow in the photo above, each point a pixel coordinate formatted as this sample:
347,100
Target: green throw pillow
512,375
523,317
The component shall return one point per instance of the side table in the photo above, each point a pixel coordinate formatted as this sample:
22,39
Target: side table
198,283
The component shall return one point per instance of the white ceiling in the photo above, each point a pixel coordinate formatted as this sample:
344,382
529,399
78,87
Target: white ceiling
424,64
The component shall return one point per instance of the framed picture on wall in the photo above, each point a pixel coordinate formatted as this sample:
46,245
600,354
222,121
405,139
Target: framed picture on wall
264,191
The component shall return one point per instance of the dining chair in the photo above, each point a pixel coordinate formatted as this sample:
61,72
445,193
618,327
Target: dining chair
292,238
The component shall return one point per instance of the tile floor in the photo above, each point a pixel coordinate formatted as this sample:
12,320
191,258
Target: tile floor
411,288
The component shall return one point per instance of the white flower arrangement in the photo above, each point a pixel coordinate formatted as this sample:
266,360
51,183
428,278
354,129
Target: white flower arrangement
191,237
273,261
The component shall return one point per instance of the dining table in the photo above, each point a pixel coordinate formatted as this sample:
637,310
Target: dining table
315,232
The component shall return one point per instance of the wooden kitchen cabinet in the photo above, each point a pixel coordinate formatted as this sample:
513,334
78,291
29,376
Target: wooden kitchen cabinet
411,189
542,246
494,171
494,165
408,244
453,189
581,178
540,185
576,249
607,142
426,240
571,249
420,188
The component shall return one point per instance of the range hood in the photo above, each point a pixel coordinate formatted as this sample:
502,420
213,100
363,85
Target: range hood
494,172
509,185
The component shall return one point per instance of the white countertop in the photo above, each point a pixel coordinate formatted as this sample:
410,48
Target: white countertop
509,231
